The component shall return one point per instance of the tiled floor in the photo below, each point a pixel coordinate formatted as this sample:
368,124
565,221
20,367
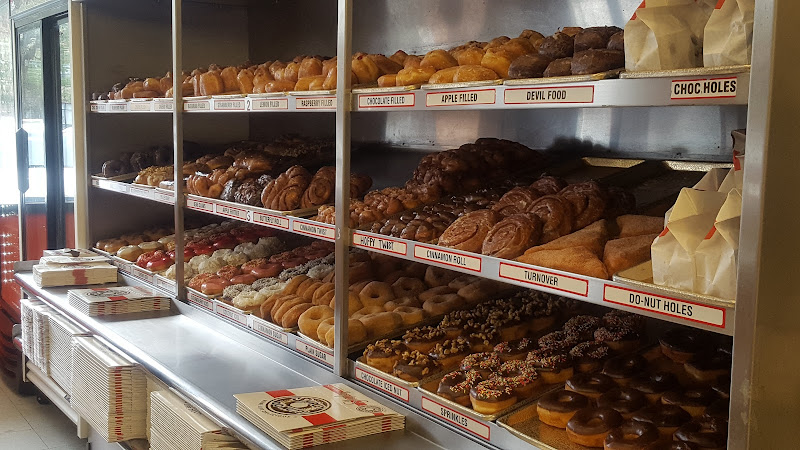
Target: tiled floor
27,425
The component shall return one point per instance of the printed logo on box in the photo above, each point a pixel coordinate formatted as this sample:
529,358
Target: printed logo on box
544,278
549,95
460,98
269,104
380,243
229,105
314,352
456,418
320,231
268,330
315,102
706,88
366,101
682,309
271,220
447,257
382,384
199,205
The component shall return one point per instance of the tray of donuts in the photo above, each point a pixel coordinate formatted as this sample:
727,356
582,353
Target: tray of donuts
673,395
497,377
121,177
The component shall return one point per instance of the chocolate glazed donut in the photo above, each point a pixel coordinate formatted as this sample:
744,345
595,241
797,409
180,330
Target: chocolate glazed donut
589,426
711,433
631,435
626,401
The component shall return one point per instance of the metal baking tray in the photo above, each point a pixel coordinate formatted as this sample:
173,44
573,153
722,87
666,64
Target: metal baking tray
384,90
304,93
199,97
566,79
122,177
430,385
641,276
362,363
267,95
227,96
689,72
524,424
465,84
588,168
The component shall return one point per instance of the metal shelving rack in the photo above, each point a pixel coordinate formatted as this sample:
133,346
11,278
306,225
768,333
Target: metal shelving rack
624,114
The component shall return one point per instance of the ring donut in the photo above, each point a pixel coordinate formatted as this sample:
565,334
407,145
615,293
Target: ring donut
376,293
365,311
293,284
354,303
319,294
408,287
435,276
412,302
356,332
381,323
310,319
442,304
394,276
410,315
435,292
322,329
292,316
277,314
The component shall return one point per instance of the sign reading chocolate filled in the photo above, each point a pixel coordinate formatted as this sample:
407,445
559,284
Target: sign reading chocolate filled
367,101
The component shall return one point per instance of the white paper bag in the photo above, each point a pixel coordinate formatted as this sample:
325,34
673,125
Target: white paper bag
716,257
711,181
666,34
673,252
728,37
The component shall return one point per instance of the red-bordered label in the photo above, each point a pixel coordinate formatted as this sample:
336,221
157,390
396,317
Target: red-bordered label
317,353
270,220
141,106
199,205
461,98
237,104
327,102
667,306
456,418
382,384
314,229
269,104
200,301
197,105
539,277
269,330
549,95
448,257
230,313
401,100
704,88
141,192
381,243
232,211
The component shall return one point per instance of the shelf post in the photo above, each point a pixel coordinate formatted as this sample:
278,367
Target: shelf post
343,233
177,142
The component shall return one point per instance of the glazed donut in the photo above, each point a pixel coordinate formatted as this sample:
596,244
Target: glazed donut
492,396
381,323
680,344
409,302
589,426
229,272
706,433
310,319
463,280
442,304
281,308
268,270
557,408
376,293
322,329
625,400
667,418
113,245
423,339
654,385
435,276
623,368
477,291
319,295
243,279
353,303
620,340
590,385
151,246
129,252
366,310
521,376
357,287
355,333
214,286
485,363
266,308
455,386
408,287
291,317
631,435
410,315
694,401
589,356
435,292
383,354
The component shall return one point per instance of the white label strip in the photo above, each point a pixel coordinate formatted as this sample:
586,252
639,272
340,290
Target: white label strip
141,192
202,105
367,101
229,105
118,107
456,418
200,205
230,313
382,384
320,231
315,103
231,211
549,95
164,106
447,257
143,274
141,106
166,284
267,329
459,98
99,107
164,197
380,243
315,352
200,301
545,279
682,309
271,220
116,186
269,104
706,88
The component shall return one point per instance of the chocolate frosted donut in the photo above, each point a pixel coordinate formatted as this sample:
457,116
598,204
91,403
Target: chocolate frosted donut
719,409
722,387
558,341
563,401
709,433
625,400
694,401
589,356
680,344
456,385
590,385
708,366
631,435
582,326
622,319
671,445
591,422
623,368
653,385
666,417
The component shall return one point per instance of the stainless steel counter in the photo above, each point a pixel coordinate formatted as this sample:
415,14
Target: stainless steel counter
207,361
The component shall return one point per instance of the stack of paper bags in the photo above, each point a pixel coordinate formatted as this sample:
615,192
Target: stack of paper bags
73,271
60,352
305,417
108,391
117,300
176,425
698,249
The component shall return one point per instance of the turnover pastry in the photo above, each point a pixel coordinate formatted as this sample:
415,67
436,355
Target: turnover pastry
512,236
578,260
593,237
621,254
469,231
632,225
